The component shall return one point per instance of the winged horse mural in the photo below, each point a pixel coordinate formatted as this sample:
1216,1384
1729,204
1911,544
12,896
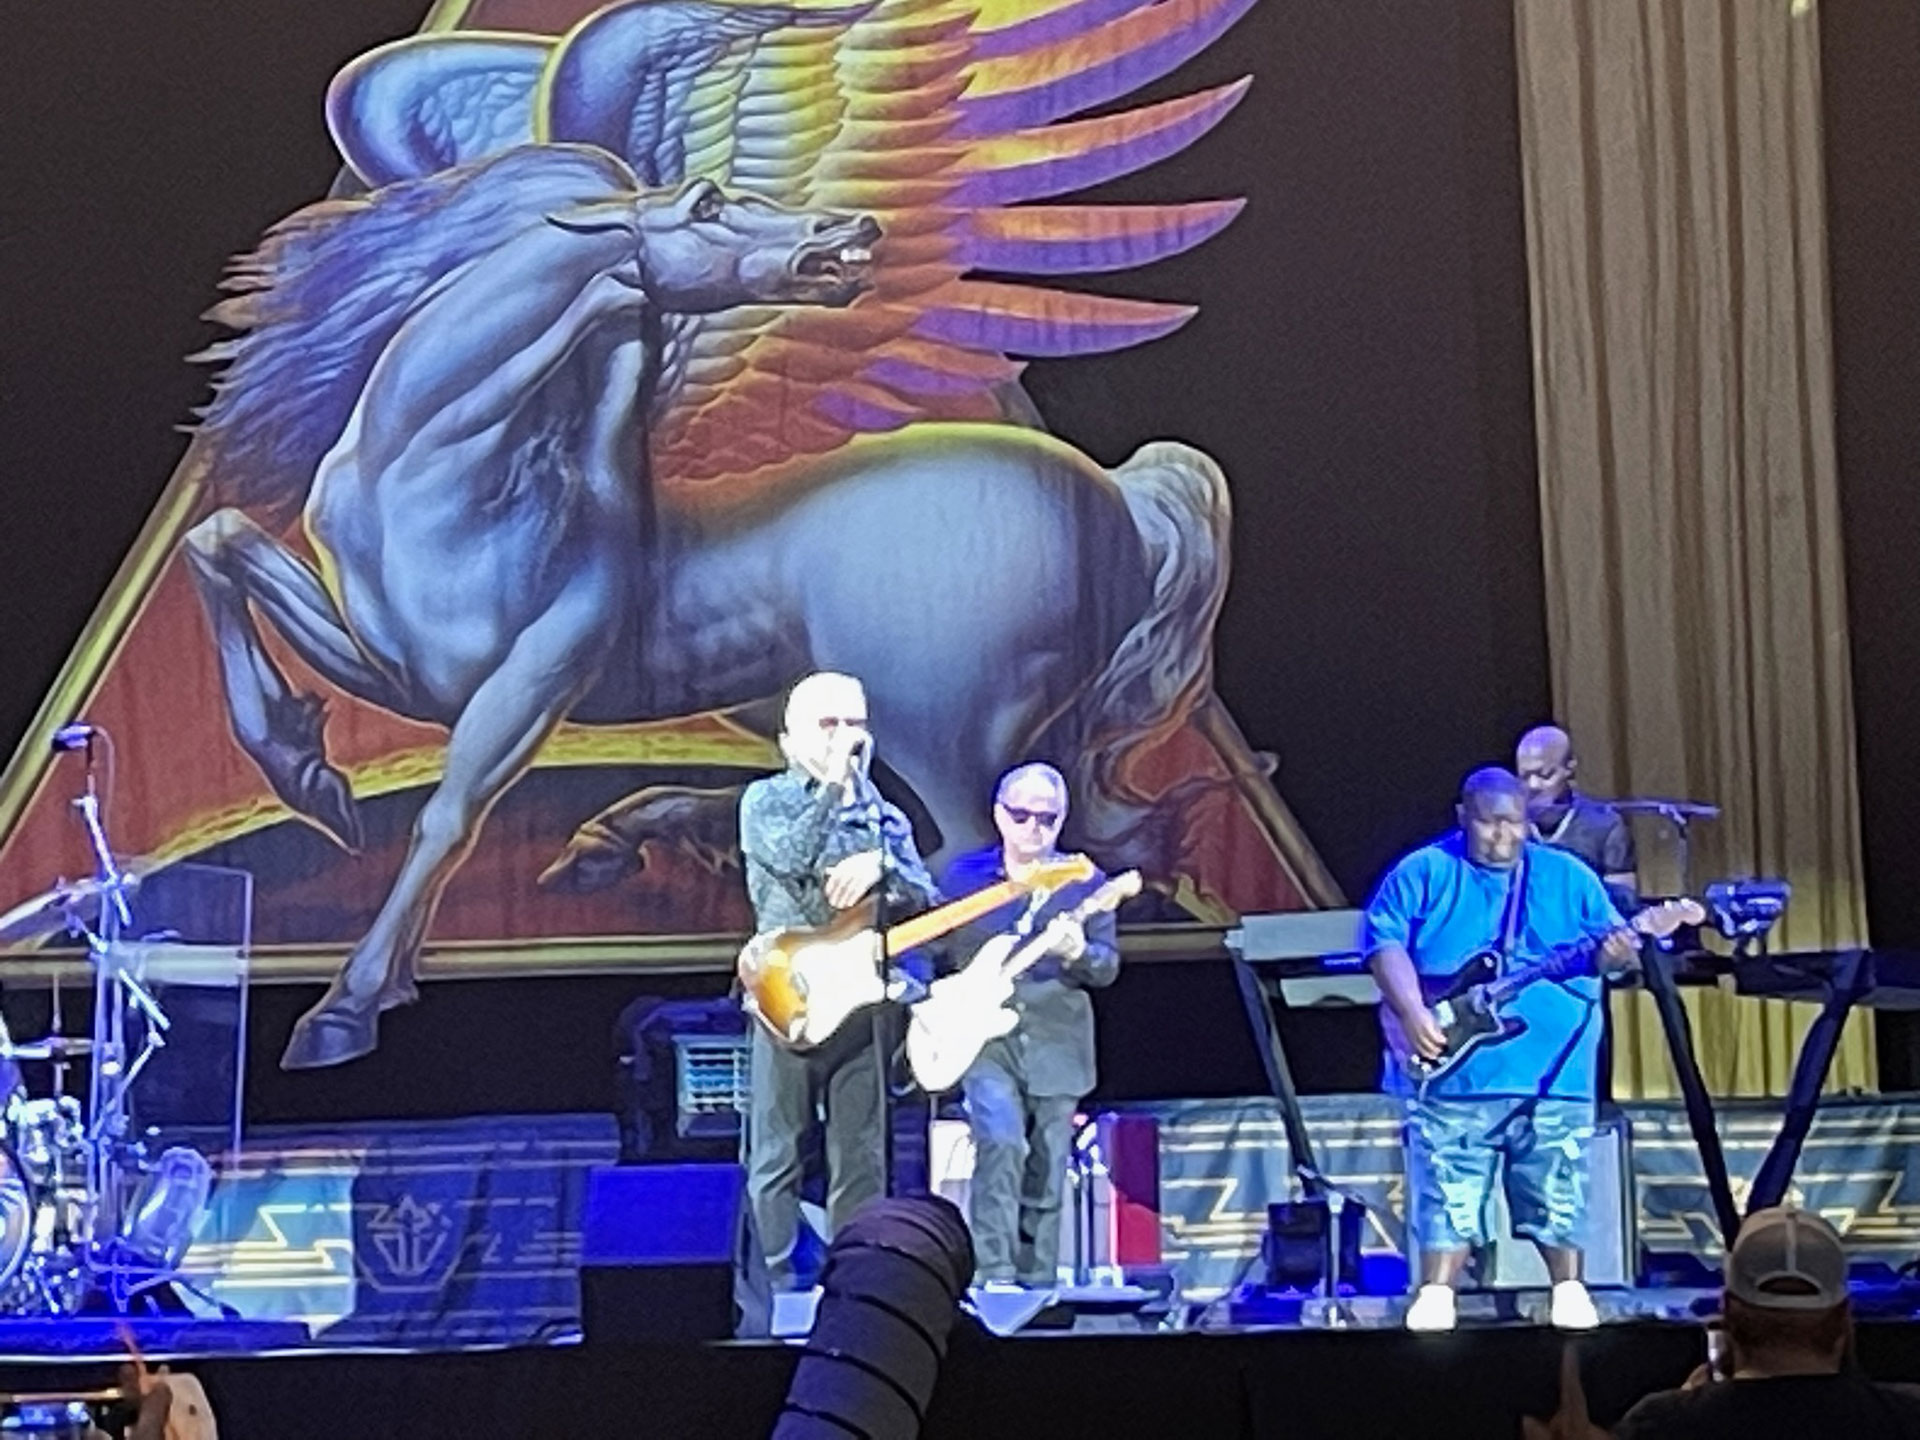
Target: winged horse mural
642,364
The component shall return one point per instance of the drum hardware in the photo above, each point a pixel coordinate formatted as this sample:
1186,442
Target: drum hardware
84,1215
60,1049
53,912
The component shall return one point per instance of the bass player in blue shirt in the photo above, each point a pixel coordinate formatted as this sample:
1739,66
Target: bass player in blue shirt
1524,1105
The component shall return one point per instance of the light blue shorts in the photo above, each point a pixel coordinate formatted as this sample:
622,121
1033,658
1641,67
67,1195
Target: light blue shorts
1456,1149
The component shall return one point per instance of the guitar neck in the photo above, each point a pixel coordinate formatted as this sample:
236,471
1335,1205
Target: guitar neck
1566,961
949,917
1656,921
1105,898
1036,949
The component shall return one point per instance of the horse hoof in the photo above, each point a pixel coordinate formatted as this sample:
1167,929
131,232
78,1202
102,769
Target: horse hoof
327,799
595,858
330,1034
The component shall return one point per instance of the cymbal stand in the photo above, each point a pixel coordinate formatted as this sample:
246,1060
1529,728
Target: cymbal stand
117,994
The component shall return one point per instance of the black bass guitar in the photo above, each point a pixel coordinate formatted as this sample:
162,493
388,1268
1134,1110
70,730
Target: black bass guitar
1469,1005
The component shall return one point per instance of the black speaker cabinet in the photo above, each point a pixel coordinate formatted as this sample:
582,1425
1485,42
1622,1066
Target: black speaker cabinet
656,1252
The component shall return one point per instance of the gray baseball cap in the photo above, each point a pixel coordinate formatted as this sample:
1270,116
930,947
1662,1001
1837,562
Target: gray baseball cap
1787,1259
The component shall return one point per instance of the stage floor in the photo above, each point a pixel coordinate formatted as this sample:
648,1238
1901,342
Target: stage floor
1083,1312
1232,1385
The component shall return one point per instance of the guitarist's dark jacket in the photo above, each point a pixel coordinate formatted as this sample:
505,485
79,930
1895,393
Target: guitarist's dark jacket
1051,1049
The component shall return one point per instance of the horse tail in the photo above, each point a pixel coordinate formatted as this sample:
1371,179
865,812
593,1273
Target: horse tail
1162,669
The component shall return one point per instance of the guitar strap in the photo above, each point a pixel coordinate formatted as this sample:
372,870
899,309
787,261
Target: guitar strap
1508,940
1036,902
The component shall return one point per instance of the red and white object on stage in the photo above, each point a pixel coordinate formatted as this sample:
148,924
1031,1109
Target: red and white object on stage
1110,1222
1130,1145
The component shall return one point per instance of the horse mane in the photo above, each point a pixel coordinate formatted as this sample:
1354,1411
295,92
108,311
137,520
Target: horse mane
316,302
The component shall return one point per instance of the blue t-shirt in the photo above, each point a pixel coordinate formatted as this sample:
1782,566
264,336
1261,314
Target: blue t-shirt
1443,908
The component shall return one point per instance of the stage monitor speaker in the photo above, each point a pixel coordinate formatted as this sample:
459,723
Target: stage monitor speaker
1611,1249
1295,1246
656,1252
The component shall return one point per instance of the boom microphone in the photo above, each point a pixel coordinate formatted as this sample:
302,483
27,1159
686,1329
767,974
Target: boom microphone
73,737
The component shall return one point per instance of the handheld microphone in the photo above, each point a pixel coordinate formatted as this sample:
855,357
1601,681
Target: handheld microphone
859,757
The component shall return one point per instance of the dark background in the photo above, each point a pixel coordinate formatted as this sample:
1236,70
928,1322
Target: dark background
1360,366
1870,59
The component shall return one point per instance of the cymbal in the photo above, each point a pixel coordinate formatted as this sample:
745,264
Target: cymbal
46,913
48,1047
1652,805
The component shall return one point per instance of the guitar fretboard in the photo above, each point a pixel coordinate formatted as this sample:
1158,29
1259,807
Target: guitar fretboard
1576,959
1563,964
951,916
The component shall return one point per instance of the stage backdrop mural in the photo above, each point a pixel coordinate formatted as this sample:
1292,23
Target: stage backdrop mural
642,360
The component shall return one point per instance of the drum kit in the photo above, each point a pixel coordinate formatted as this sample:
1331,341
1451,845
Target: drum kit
78,1189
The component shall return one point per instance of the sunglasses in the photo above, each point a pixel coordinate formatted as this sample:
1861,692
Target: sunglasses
1018,816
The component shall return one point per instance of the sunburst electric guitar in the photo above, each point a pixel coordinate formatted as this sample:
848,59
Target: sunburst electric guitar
1469,1005
801,985
962,1012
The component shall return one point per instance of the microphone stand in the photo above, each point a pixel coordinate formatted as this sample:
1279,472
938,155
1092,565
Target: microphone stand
879,1022
885,1018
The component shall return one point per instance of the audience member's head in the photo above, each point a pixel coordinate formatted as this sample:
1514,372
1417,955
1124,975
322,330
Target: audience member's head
1786,1304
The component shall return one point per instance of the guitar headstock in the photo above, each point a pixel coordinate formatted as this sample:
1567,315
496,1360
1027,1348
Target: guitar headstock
1661,920
1115,893
1058,873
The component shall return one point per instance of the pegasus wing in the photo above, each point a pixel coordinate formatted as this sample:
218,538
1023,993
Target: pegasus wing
431,102
945,120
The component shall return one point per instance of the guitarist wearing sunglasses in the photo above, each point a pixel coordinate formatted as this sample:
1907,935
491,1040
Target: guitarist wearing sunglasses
1025,1086
1521,1109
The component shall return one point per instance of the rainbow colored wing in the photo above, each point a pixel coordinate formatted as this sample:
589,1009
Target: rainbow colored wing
945,120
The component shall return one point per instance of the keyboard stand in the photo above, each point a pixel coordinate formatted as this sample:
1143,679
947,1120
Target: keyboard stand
1656,974
1849,978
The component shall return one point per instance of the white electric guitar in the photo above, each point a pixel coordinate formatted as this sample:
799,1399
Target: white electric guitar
962,1012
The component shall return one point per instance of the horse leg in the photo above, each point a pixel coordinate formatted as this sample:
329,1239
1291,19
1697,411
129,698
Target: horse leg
238,568
948,746
502,728
701,823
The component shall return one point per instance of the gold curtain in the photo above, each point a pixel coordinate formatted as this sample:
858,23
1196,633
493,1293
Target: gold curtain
1683,384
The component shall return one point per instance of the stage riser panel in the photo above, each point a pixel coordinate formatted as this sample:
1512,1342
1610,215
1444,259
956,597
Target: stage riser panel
1223,1162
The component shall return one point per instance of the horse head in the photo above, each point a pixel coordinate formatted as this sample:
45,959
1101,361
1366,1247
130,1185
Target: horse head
703,250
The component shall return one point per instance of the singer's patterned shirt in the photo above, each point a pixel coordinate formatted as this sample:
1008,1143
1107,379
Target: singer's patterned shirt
793,830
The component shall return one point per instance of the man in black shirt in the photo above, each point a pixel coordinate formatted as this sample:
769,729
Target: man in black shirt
1024,1088
1789,1330
1567,820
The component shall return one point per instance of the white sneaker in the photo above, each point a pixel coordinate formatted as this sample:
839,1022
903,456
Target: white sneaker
1572,1307
1433,1310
